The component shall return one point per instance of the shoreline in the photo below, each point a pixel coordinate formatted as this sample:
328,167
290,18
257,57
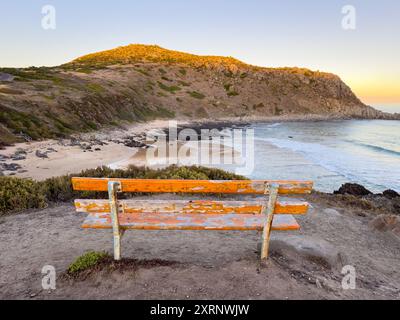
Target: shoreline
111,147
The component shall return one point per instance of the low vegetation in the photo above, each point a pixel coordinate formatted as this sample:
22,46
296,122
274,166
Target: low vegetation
171,89
17,194
86,261
196,95
143,53
93,262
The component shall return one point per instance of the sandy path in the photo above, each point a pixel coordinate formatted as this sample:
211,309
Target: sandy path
212,265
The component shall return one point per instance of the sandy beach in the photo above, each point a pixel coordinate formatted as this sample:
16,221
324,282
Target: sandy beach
101,148
65,158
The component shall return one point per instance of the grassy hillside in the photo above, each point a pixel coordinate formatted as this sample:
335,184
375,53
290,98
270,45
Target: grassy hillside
141,83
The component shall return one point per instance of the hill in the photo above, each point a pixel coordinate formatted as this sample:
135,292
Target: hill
141,83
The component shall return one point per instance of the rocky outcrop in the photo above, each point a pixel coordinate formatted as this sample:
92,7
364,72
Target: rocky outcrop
353,189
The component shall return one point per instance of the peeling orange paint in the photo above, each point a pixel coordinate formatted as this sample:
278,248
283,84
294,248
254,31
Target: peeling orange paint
193,186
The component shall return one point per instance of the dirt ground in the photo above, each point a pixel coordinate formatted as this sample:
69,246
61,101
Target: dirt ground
202,264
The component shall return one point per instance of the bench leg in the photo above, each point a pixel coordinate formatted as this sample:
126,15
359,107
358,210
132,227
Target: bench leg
269,212
113,188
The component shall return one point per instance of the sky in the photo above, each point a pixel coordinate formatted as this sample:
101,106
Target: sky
270,33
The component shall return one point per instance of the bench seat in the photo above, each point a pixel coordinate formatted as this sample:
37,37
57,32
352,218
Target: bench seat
192,221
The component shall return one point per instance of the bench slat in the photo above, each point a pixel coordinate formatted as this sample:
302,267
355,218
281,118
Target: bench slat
193,186
190,206
168,221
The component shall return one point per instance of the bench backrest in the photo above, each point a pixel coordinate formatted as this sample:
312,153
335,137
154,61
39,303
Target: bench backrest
193,186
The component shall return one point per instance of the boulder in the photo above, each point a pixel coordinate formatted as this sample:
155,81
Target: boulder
10,167
40,154
18,157
353,189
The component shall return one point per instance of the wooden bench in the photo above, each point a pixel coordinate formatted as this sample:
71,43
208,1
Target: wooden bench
264,215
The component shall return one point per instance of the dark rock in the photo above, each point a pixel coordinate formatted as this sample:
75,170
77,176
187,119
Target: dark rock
40,154
20,154
75,142
86,147
134,144
18,157
10,166
51,150
353,189
97,149
20,151
24,136
390,194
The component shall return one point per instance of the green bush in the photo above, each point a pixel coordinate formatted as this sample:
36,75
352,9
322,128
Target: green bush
171,89
196,95
18,194
87,261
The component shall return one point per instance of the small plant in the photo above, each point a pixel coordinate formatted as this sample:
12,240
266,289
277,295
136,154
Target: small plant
87,261
144,72
227,87
166,79
196,95
94,87
233,93
171,89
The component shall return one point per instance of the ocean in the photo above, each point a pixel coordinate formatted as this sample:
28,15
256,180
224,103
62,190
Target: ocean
330,153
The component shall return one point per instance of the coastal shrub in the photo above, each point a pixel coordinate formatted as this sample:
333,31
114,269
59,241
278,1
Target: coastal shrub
233,93
171,89
144,72
196,95
227,86
95,87
18,194
86,261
